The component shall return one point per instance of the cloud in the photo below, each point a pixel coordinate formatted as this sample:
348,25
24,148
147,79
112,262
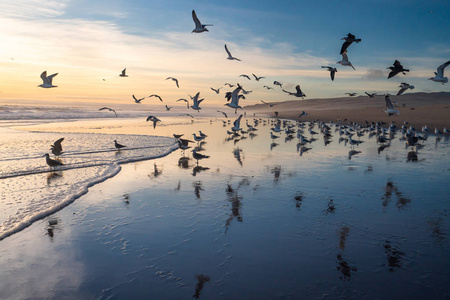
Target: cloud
373,74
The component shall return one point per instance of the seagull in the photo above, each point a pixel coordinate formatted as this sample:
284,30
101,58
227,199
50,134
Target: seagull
168,107
185,100
349,39
303,113
332,71
272,136
174,79
198,138
352,94
110,109
216,90
268,87
269,104
138,100
299,92
246,76
246,92
371,95
230,57
184,144
390,108
56,147
156,97
230,85
403,87
123,73
439,75
278,83
257,78
202,134
196,102
345,61
199,27
236,124
189,115
198,156
223,113
177,136
397,68
47,80
235,99
154,120
52,162
118,146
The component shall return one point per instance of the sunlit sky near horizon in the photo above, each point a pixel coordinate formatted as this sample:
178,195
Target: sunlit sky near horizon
88,43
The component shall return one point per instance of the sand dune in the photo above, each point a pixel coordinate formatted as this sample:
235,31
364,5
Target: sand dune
432,109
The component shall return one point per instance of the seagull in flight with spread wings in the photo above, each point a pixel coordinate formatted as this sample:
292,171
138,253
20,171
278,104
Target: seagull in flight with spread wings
154,120
403,87
299,92
216,90
174,79
332,71
156,97
47,80
110,109
199,27
230,57
349,39
345,61
439,75
185,100
123,74
138,100
397,68
390,107
257,78
196,102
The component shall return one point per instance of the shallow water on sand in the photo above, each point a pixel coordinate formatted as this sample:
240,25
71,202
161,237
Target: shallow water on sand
255,220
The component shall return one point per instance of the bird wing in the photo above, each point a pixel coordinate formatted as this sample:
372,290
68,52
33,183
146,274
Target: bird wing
237,122
135,99
196,20
440,69
345,46
176,81
123,71
332,74
299,91
344,56
401,91
44,77
226,49
397,64
392,73
388,102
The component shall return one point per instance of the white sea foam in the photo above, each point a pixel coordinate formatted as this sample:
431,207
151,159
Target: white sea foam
31,190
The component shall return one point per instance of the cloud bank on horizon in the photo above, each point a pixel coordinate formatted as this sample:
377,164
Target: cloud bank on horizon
89,44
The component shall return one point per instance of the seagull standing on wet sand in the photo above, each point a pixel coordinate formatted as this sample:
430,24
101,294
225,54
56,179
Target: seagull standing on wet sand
345,61
230,57
47,80
403,87
118,146
199,27
174,79
349,39
52,162
397,68
332,71
439,75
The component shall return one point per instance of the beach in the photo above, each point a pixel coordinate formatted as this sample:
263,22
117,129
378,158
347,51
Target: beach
259,218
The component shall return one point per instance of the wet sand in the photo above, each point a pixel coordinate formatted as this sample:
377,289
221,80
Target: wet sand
418,109
257,219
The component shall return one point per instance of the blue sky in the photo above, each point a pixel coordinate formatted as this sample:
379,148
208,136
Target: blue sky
87,41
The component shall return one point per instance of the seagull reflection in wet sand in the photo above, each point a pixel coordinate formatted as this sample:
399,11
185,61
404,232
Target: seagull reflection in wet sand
343,234
389,190
276,171
344,268
156,172
298,200
237,155
235,201
202,279
198,186
394,256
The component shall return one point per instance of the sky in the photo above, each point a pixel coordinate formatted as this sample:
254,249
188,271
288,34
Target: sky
88,43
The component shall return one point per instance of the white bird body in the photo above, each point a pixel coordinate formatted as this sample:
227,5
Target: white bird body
390,107
199,27
345,61
439,75
47,80
403,87
235,99
197,102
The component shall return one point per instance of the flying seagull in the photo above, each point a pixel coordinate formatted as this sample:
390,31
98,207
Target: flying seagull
390,108
345,61
156,97
236,124
185,100
299,92
230,57
123,73
352,94
47,80
235,99
397,68
57,147
174,79
278,83
199,27
439,75
229,84
349,39
154,120
196,102
257,77
168,107
216,90
332,71
268,87
246,76
269,104
371,95
110,109
138,100
223,113
403,87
